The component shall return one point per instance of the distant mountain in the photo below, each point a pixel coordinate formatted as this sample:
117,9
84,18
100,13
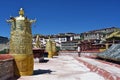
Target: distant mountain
3,40
4,43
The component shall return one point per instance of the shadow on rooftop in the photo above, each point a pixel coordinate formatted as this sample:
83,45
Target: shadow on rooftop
35,72
44,61
40,71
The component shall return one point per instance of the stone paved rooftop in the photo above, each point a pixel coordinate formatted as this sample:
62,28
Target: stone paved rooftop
62,68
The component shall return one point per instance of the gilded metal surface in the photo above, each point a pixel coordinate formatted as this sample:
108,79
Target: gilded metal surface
21,44
49,48
21,12
24,64
37,43
54,48
21,38
114,35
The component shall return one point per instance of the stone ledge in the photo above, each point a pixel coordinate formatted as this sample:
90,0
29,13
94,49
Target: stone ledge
5,57
6,67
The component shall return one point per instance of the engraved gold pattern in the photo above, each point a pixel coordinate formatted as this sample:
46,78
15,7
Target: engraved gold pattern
21,44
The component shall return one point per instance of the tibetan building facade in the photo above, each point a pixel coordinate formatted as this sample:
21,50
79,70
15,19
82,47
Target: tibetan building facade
96,40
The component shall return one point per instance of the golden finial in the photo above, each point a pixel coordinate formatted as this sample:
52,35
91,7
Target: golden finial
21,12
49,37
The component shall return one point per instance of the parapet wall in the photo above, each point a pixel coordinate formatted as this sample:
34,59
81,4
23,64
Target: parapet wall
6,67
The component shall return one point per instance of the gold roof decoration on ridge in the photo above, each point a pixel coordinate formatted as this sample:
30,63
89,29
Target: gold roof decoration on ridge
114,35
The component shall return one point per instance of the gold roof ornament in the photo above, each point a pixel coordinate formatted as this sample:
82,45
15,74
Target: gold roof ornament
38,43
49,48
49,37
21,44
54,48
114,35
21,12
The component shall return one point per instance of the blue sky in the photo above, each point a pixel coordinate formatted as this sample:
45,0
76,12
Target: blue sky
60,16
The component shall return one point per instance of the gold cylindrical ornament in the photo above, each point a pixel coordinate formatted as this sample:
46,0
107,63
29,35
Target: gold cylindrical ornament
23,64
106,45
54,49
38,43
49,48
21,44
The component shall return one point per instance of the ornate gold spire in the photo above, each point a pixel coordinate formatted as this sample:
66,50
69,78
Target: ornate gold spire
21,44
21,12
